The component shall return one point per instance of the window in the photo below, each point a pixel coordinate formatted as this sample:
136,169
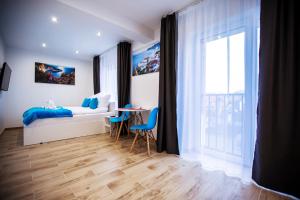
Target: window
225,65
224,94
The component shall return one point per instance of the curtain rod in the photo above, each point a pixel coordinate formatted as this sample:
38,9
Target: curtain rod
114,47
185,7
107,50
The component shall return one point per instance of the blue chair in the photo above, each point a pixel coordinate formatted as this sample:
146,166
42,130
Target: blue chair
146,129
123,117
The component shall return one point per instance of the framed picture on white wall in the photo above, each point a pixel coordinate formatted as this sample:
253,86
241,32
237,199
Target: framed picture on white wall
146,60
47,73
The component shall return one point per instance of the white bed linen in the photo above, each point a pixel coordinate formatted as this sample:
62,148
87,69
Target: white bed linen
78,110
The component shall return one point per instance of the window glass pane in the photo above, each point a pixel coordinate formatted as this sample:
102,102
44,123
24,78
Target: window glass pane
237,63
216,66
257,50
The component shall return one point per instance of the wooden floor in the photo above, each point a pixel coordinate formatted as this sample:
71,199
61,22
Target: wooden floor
94,167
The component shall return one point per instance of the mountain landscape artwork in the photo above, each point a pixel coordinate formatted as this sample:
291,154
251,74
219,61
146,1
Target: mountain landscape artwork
55,74
147,60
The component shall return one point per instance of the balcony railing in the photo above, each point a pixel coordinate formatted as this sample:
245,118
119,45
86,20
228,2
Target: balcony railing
223,123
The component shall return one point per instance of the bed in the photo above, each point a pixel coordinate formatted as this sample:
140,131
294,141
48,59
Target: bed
85,121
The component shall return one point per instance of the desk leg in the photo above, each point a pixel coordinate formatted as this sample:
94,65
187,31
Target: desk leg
120,128
152,136
127,128
110,131
141,118
141,121
117,130
113,126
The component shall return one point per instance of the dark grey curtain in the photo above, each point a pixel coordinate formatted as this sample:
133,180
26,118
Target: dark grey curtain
123,73
277,152
96,74
167,139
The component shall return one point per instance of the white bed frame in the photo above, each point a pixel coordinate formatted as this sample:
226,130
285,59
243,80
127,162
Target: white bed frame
52,129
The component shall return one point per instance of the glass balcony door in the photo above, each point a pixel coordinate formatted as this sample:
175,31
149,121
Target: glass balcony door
223,107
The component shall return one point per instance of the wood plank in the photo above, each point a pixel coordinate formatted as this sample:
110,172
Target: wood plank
94,167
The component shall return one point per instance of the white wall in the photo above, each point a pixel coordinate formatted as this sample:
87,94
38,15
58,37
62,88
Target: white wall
2,59
24,93
144,88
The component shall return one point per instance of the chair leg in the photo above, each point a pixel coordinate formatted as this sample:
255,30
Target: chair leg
119,131
134,141
148,144
110,131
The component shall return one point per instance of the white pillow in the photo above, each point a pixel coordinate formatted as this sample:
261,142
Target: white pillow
103,99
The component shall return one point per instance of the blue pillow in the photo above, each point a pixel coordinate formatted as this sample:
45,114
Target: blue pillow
94,103
86,102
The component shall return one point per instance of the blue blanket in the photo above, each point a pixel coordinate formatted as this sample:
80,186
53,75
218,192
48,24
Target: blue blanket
40,113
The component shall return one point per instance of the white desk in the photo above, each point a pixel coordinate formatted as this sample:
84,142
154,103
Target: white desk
137,114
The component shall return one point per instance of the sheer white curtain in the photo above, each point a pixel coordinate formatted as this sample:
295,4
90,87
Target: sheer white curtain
216,84
108,74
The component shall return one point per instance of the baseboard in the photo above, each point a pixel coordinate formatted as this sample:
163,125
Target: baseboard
2,131
12,128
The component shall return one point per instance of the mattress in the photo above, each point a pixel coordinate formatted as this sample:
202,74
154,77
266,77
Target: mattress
77,110
84,118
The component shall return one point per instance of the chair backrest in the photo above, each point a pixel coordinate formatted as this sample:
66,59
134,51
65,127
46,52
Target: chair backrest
125,115
152,118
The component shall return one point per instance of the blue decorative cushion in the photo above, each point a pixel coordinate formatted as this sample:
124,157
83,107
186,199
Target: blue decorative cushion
86,102
94,103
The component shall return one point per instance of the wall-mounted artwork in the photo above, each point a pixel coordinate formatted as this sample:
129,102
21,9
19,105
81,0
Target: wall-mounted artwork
46,73
146,60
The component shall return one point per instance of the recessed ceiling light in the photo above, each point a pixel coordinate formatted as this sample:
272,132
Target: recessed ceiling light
77,52
44,45
54,19
99,34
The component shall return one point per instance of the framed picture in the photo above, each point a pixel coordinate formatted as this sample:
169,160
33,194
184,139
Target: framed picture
146,60
47,73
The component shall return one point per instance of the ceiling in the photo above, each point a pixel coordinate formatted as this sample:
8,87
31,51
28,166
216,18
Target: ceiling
26,24
143,12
